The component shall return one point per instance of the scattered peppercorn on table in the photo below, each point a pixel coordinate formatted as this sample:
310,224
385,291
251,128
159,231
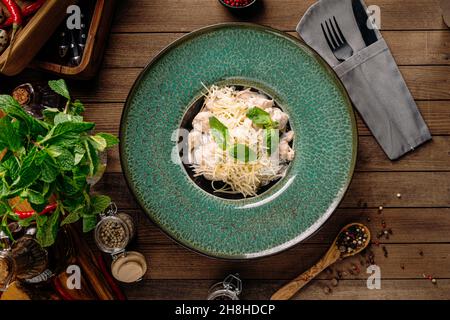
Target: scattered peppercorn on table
406,204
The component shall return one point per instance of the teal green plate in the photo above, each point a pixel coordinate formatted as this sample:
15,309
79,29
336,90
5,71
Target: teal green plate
301,83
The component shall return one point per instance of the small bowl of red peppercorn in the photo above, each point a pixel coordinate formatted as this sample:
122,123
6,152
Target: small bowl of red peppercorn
237,4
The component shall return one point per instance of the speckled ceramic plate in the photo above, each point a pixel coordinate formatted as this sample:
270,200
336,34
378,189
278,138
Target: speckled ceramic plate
299,81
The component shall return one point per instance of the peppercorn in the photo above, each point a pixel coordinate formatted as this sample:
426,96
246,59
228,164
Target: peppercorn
113,234
334,282
237,3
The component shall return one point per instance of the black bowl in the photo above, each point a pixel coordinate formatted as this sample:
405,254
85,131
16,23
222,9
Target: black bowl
252,2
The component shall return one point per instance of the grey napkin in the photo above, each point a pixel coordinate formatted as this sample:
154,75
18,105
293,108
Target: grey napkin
371,77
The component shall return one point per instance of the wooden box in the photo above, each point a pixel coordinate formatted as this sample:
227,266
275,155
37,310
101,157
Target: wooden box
95,45
29,40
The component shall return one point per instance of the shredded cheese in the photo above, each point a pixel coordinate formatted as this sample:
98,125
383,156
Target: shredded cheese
230,106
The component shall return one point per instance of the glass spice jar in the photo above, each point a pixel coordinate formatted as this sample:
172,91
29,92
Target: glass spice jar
229,289
23,260
113,233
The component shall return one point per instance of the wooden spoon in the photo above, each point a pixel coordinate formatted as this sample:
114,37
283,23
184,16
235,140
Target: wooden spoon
333,254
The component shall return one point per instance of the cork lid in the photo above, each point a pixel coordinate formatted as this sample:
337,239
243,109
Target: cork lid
129,267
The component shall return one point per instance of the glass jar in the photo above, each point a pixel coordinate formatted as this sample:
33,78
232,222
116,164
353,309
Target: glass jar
113,233
23,260
229,289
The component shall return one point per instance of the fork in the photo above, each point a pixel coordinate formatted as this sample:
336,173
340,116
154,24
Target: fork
336,40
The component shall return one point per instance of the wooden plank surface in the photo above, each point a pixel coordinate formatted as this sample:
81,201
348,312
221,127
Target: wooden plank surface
182,16
371,189
433,156
419,219
113,84
262,289
404,261
135,50
436,114
408,225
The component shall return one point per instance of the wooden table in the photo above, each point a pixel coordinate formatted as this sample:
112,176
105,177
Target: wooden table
419,219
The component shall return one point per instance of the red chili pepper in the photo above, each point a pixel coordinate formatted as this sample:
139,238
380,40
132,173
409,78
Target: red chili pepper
109,278
28,214
60,290
15,14
32,8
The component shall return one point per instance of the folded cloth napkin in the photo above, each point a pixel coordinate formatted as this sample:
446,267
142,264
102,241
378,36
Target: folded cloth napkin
371,77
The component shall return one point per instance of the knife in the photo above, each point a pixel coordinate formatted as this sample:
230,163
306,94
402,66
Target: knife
369,35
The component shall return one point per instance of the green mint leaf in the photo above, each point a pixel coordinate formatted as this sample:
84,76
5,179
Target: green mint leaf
89,222
60,87
64,117
54,151
9,136
98,142
50,114
110,139
100,203
47,228
67,130
242,153
261,118
93,159
72,217
66,160
79,153
219,132
13,109
33,197
49,170
11,165
77,107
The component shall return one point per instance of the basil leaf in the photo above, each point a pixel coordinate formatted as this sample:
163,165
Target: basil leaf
60,87
111,140
243,153
259,117
219,132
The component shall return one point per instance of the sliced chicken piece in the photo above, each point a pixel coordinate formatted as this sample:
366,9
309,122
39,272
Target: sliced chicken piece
288,136
206,154
278,116
256,99
286,152
194,139
201,121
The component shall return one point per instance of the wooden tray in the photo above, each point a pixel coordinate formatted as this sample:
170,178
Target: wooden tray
33,36
95,45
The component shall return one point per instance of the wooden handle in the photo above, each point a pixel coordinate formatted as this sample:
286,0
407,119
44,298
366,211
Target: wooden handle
290,289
